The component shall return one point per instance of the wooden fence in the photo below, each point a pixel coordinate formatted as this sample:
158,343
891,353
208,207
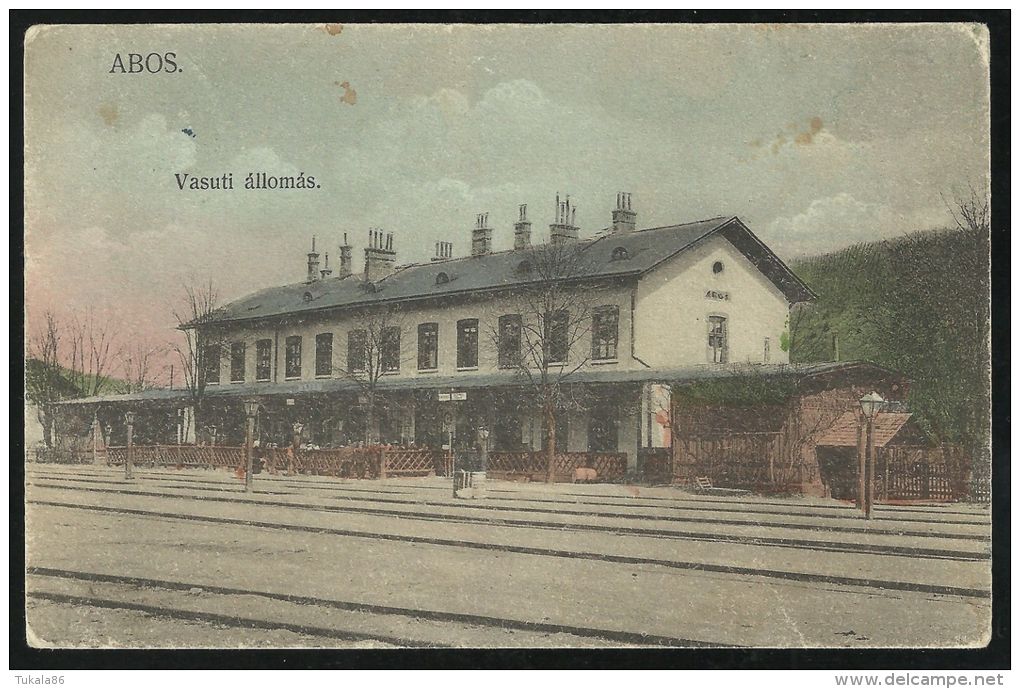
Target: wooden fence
347,462
928,473
54,455
533,466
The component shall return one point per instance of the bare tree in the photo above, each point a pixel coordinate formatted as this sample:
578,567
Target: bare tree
554,311
93,352
46,381
136,365
375,348
970,213
202,345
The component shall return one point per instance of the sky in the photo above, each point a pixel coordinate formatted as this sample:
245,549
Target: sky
816,136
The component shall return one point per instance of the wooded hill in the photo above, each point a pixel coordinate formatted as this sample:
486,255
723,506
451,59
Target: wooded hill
918,304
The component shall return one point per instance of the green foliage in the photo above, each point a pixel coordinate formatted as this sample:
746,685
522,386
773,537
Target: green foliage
749,388
918,304
784,341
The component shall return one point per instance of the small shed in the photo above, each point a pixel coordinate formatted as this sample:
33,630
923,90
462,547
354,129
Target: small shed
907,467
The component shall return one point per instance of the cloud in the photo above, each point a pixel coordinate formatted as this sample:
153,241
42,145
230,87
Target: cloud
841,220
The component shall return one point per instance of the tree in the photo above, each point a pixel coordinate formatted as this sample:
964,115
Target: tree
67,360
375,348
45,379
554,310
136,365
92,353
203,344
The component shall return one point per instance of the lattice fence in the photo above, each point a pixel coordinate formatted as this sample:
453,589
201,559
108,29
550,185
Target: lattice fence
609,466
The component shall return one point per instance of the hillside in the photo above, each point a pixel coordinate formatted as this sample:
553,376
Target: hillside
918,304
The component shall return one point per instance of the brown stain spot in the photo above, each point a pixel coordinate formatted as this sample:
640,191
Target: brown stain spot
808,137
333,29
350,95
108,111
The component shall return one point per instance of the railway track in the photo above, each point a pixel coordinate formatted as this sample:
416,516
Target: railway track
115,487
199,601
742,571
811,544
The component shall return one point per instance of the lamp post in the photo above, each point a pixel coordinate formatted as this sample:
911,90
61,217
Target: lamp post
96,430
483,446
297,427
107,439
251,409
129,419
870,405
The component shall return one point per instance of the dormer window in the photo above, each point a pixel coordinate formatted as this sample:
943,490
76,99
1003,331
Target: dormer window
442,279
524,267
308,297
620,254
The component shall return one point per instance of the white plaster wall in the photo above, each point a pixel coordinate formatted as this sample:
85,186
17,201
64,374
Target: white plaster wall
487,309
671,316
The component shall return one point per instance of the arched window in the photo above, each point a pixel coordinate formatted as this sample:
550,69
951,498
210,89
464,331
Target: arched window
442,279
620,254
308,296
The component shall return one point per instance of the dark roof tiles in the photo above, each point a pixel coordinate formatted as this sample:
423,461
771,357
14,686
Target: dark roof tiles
644,250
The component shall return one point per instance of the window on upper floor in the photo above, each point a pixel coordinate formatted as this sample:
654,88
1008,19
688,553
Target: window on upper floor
324,354
605,332
237,351
467,343
357,351
509,340
389,349
293,361
211,364
717,332
428,346
557,336
263,360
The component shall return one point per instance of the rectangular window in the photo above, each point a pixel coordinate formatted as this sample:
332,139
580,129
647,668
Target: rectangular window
357,351
605,332
428,346
293,368
389,349
212,363
509,340
324,354
767,353
467,343
717,339
263,359
237,362
557,336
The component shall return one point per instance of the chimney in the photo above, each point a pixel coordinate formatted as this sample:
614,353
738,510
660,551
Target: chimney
522,228
379,256
623,217
346,259
444,252
481,236
563,230
313,263
326,272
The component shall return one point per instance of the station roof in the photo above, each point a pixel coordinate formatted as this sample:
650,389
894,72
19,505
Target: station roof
644,250
843,433
509,379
